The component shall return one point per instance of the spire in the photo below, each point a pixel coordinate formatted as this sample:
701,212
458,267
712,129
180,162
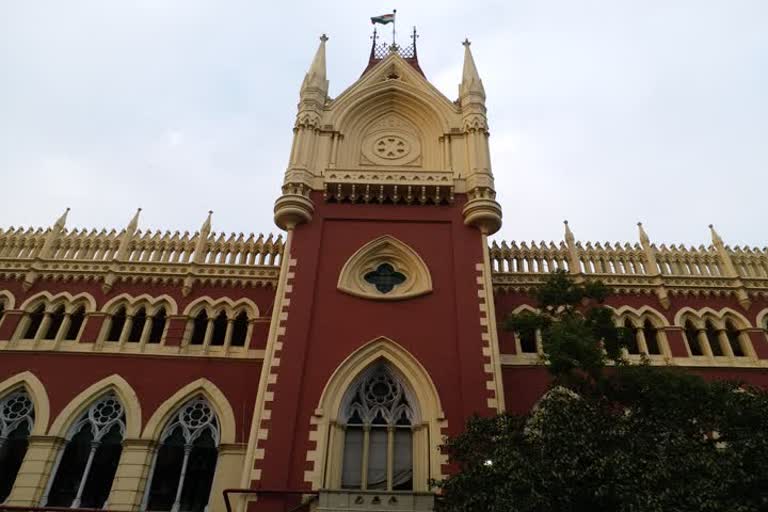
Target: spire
470,78
134,223
62,221
201,247
569,238
644,240
206,227
716,240
315,79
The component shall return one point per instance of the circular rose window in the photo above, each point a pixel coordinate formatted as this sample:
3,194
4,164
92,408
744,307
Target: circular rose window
391,147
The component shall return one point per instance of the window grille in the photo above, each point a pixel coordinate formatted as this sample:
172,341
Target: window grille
185,463
87,465
17,416
378,439
385,278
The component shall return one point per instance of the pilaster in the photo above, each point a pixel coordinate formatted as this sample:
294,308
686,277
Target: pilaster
35,470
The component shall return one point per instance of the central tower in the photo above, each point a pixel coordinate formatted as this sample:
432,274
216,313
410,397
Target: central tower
381,341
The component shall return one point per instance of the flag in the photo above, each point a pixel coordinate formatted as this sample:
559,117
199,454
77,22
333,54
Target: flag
383,19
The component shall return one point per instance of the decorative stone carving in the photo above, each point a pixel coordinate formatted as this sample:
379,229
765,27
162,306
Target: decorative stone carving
391,141
390,251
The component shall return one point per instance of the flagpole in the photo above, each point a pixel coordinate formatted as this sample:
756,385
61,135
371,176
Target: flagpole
394,21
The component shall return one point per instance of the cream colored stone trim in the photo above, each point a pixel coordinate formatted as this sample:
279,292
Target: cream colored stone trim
217,399
35,469
489,336
262,408
79,404
37,393
717,316
214,306
136,350
761,320
152,303
327,435
7,299
60,298
385,249
513,360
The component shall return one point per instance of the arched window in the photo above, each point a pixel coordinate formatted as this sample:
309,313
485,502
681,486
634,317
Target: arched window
732,333
240,329
17,415
219,329
117,324
199,326
137,327
633,346
54,324
158,326
76,320
186,460
35,319
714,343
691,336
84,474
651,334
2,308
377,417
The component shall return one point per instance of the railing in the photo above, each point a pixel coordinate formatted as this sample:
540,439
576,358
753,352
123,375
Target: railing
309,497
742,270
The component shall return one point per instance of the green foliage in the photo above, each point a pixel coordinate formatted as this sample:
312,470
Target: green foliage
577,330
626,439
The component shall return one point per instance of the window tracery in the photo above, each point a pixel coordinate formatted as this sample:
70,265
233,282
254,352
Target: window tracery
17,417
185,462
377,417
645,332
87,464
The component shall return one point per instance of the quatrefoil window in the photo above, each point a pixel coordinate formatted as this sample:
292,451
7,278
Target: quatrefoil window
385,278
391,147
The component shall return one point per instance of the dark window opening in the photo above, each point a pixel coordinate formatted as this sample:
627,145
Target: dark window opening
691,336
733,339
633,347
528,342
219,329
76,320
137,327
14,446
385,278
118,322
239,330
35,319
158,327
714,343
651,338
199,326
57,318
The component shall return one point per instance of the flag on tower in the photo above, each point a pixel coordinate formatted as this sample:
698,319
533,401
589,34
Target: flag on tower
383,19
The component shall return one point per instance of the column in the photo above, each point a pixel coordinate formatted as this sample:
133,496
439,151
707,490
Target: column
132,475
35,470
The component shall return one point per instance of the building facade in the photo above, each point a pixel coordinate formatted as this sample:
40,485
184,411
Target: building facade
142,370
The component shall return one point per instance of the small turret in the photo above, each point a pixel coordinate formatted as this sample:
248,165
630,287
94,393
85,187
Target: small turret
471,88
315,82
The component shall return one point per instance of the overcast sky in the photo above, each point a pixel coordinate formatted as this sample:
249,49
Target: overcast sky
601,112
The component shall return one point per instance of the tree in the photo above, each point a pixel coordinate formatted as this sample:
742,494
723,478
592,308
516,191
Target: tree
609,435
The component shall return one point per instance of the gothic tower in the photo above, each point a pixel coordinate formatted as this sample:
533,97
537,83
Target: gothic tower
387,200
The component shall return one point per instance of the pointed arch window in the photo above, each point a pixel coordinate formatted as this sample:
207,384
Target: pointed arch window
219,329
186,460
714,343
199,326
651,335
633,347
240,329
733,336
76,320
117,324
137,326
17,416
35,320
2,309
87,465
378,419
692,337
158,326
54,324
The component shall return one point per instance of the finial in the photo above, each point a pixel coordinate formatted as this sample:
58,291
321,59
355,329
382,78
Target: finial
61,221
643,235
471,84
716,240
466,42
134,223
323,38
568,233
